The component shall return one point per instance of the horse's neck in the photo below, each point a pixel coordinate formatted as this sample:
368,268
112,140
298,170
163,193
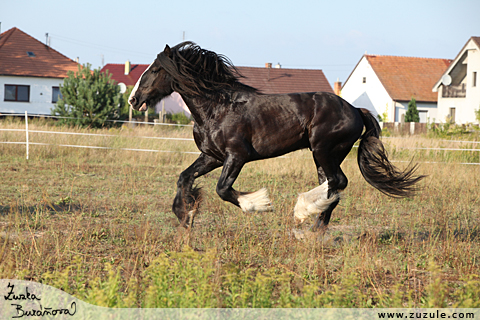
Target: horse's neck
203,109
199,108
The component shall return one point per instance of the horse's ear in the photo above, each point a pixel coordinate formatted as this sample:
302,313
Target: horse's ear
167,50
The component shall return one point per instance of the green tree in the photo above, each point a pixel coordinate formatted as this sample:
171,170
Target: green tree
412,112
89,98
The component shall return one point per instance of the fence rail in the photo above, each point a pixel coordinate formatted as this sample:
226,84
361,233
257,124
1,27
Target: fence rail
27,142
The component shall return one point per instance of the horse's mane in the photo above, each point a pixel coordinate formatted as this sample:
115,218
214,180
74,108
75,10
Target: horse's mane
202,73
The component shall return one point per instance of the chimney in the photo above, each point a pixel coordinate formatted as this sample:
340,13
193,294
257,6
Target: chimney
127,67
268,65
337,88
278,66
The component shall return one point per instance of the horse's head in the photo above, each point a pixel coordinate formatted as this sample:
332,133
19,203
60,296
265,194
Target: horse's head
153,85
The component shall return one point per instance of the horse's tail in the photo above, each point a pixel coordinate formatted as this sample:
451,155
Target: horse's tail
375,166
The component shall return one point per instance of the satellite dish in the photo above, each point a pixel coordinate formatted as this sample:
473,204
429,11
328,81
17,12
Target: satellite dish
123,87
446,80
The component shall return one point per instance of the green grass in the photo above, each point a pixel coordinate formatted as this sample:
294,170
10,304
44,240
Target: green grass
98,224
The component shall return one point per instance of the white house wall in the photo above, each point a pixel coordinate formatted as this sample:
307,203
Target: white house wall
371,94
40,95
427,111
173,104
464,107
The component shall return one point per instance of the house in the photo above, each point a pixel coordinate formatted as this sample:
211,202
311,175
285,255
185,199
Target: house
268,80
458,88
30,73
385,84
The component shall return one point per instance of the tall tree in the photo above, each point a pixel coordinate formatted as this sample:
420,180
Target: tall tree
412,112
89,98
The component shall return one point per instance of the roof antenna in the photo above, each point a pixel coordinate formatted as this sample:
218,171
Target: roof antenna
46,40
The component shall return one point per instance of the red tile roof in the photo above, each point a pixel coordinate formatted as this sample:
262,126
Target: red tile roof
267,80
47,62
118,72
281,80
405,78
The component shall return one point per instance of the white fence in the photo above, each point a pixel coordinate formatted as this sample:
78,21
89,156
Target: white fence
27,142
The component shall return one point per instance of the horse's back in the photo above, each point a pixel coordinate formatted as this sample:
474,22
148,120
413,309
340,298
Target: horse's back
286,122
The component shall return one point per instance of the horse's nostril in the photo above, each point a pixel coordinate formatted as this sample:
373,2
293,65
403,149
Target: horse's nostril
133,101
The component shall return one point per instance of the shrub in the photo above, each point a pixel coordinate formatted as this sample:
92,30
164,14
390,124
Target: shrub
412,112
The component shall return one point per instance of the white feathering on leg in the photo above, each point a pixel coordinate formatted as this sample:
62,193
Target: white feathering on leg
191,215
313,202
255,201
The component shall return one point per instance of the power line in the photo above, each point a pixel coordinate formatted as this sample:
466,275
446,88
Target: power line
97,46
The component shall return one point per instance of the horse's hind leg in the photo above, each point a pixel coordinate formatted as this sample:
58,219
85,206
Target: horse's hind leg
184,202
322,200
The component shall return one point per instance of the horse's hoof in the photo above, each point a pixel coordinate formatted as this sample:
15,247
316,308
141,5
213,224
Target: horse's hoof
298,234
187,222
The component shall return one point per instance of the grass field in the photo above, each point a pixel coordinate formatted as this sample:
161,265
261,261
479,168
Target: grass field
97,223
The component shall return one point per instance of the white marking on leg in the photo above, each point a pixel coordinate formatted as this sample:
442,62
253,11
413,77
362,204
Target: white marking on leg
255,201
191,214
313,202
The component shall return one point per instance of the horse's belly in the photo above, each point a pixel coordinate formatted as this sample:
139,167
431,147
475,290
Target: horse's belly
280,142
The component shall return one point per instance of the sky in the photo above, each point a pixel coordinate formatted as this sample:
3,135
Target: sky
309,34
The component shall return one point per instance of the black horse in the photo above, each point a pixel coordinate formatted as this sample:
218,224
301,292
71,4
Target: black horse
236,124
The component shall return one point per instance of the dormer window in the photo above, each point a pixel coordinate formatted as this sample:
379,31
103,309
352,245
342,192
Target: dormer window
30,54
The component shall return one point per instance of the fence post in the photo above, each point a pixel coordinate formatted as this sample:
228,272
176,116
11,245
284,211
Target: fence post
26,130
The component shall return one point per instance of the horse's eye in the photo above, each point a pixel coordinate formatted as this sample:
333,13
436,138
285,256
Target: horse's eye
154,70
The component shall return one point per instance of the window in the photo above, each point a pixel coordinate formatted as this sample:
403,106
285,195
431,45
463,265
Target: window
56,94
31,54
15,92
474,83
452,115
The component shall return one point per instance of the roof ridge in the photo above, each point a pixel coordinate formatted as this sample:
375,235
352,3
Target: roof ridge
409,57
282,68
273,68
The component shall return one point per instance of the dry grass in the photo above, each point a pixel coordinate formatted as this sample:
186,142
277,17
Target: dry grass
67,213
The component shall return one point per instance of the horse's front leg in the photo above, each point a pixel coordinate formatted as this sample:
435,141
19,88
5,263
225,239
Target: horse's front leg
184,204
247,201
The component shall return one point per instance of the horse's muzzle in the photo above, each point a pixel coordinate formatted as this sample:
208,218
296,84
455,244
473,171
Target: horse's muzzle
133,102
